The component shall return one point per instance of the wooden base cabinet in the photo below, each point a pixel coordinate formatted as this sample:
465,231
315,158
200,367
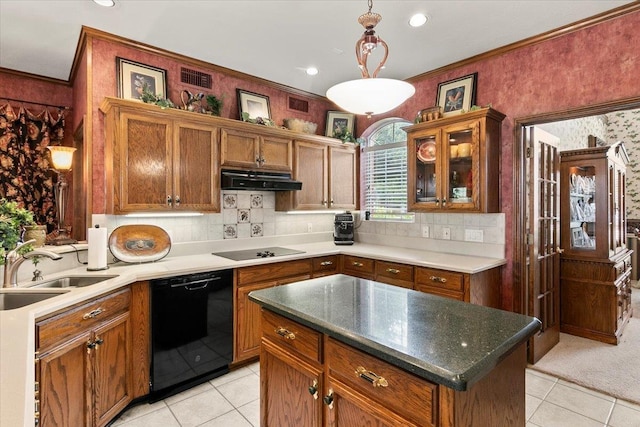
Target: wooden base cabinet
84,364
310,379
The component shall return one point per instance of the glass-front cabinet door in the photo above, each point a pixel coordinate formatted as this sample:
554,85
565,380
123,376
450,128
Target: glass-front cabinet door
582,207
427,169
461,145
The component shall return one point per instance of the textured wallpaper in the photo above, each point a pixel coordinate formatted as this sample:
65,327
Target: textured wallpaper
625,126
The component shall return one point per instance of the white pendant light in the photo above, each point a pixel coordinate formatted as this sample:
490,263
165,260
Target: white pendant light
370,95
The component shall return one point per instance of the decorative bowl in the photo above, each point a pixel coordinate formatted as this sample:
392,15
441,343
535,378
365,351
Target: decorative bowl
299,125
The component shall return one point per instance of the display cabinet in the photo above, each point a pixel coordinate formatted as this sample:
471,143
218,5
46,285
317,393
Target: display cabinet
595,265
454,163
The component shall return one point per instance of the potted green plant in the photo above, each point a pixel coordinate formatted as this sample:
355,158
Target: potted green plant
214,104
12,221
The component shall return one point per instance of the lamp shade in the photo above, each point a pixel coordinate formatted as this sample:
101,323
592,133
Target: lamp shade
62,157
370,95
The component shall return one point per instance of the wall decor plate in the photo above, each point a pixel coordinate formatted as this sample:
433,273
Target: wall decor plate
139,243
427,151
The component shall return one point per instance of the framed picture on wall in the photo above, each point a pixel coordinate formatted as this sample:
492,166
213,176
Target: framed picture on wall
457,95
339,123
253,105
133,77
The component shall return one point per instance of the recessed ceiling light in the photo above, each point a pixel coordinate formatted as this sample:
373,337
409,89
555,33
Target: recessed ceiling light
418,20
311,71
105,3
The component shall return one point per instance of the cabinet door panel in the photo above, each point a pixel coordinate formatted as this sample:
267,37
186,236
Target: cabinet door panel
277,154
312,169
112,369
143,163
343,177
248,330
238,148
196,171
64,383
284,387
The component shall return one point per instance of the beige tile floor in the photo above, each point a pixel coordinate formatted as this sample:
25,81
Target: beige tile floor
233,400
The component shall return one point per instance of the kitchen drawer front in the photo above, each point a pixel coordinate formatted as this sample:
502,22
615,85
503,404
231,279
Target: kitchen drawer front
291,336
359,267
395,274
325,266
440,279
407,395
622,267
278,270
78,319
434,290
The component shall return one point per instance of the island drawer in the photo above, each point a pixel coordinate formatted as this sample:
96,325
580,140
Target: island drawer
359,267
325,265
440,279
403,393
81,318
395,274
291,335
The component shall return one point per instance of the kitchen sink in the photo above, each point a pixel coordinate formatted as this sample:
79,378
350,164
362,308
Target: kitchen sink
13,300
72,281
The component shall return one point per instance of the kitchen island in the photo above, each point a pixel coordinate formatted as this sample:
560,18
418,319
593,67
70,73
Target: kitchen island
374,353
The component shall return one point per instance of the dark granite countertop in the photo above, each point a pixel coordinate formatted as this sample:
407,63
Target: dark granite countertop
442,340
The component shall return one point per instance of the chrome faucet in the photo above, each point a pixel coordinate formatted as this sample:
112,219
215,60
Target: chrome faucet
13,261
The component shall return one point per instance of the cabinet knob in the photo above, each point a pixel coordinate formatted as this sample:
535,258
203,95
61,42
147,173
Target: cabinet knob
92,313
393,270
328,399
169,200
324,202
559,250
177,200
285,333
357,264
374,379
325,263
313,389
438,279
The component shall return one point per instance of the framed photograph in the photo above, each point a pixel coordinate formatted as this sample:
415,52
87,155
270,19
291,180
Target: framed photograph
133,76
254,104
339,123
457,95
577,237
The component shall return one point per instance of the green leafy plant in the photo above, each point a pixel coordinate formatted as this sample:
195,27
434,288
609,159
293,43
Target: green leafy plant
12,221
149,97
258,120
214,104
344,135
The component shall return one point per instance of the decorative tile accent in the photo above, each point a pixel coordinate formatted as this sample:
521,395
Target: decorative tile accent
230,201
244,215
256,230
256,201
231,231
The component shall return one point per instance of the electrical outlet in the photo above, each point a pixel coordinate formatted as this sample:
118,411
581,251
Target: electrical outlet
446,233
425,231
309,227
473,235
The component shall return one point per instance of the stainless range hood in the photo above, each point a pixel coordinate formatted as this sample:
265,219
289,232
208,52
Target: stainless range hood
266,181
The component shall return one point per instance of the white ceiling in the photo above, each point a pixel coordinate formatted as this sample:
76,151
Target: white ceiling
277,40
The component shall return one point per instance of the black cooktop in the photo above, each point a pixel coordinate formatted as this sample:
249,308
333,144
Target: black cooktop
244,255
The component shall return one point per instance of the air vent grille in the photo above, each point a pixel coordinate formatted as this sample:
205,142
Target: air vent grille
195,78
298,104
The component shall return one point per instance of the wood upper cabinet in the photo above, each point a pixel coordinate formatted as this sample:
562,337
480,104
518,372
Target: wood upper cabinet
454,163
248,150
328,173
160,160
84,363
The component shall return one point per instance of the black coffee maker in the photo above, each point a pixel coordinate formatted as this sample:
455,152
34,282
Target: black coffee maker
343,229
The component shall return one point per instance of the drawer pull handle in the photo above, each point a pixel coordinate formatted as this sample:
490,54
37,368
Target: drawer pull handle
393,270
313,389
285,333
375,380
324,263
358,264
92,314
328,399
438,279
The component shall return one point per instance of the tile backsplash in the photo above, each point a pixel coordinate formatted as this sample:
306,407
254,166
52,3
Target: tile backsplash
252,214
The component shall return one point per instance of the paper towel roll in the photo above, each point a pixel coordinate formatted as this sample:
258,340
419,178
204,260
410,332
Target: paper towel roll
97,240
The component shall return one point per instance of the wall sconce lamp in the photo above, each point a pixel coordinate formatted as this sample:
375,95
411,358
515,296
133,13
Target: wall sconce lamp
370,94
62,158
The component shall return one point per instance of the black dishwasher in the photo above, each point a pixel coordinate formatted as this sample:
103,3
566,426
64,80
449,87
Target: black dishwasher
191,330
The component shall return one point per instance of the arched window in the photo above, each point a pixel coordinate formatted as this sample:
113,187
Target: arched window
384,167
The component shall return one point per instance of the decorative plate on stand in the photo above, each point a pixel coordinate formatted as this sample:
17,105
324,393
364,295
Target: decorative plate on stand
427,151
139,243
